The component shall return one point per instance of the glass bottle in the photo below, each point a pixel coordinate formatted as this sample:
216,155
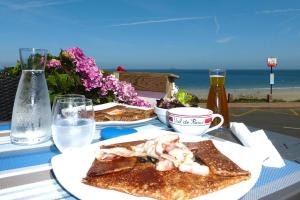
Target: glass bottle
31,119
217,101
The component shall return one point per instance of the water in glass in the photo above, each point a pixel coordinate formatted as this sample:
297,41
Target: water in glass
68,134
73,123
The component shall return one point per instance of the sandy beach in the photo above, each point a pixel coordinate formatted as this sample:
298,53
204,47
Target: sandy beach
286,94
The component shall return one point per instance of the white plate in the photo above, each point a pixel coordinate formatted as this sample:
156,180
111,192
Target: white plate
71,167
121,123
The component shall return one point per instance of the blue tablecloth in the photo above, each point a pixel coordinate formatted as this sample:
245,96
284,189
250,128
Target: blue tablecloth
4,126
18,163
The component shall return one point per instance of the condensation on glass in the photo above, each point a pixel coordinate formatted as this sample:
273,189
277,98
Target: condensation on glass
31,119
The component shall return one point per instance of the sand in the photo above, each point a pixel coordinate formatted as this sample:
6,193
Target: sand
290,94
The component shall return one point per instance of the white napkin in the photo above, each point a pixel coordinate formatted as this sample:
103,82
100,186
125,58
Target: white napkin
259,142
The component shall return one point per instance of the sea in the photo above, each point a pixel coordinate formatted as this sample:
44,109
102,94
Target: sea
255,79
193,79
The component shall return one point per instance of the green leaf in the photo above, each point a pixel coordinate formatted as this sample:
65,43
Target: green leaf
51,80
183,97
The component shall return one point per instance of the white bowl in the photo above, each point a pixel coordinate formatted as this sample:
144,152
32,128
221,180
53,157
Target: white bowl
162,115
192,120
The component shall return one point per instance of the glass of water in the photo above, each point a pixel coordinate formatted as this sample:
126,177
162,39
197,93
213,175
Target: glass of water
73,123
71,96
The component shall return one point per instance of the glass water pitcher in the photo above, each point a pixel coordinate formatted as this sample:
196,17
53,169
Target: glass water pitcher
31,118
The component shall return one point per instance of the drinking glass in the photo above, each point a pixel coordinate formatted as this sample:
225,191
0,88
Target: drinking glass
217,101
74,96
73,124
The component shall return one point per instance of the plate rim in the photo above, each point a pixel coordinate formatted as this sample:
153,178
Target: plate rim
251,182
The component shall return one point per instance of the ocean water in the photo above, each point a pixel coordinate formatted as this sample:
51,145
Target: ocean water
236,79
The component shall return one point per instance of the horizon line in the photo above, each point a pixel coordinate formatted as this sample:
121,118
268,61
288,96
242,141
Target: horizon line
180,69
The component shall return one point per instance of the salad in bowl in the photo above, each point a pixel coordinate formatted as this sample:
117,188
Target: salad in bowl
180,99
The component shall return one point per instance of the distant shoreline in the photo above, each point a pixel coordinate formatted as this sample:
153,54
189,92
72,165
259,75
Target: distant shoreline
286,94
158,69
251,88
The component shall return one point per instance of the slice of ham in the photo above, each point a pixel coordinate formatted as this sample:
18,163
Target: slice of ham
194,168
169,151
110,154
164,165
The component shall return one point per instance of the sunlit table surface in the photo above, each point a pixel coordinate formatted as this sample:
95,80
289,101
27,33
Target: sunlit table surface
26,172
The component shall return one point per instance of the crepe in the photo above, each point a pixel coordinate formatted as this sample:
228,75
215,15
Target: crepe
123,113
142,178
218,163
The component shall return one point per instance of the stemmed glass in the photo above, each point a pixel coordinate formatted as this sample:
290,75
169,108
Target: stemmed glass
73,124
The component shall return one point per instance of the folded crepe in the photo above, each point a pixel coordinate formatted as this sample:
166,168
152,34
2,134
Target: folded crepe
138,177
123,113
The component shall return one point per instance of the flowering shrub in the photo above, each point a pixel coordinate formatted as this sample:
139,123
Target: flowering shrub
73,72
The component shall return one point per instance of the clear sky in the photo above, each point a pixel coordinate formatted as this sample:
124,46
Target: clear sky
183,34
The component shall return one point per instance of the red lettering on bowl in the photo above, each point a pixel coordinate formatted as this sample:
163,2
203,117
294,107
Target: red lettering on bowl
207,120
171,119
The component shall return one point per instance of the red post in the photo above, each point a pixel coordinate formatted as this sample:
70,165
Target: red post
271,62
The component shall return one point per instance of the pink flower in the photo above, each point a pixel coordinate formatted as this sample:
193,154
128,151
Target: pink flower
53,63
92,78
86,67
75,53
139,102
122,90
109,83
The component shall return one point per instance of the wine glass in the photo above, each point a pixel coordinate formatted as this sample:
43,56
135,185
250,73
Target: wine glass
73,124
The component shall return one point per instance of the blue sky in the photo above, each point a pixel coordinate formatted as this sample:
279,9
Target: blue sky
183,34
